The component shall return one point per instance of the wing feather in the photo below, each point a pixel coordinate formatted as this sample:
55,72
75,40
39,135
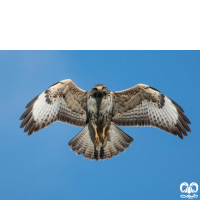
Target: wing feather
143,105
63,101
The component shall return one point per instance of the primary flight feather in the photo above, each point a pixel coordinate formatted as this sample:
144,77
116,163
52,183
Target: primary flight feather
99,111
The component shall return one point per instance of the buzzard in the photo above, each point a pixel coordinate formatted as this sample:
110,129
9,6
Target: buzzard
99,111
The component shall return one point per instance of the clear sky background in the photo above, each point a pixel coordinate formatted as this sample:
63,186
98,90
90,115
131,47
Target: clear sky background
42,166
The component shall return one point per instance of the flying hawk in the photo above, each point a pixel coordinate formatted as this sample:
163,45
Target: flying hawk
99,111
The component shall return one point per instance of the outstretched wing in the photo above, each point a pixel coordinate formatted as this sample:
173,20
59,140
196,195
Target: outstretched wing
63,101
143,105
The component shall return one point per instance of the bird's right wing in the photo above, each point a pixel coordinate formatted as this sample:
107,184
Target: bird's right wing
63,101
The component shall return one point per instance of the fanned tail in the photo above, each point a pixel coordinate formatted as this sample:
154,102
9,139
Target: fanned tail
117,141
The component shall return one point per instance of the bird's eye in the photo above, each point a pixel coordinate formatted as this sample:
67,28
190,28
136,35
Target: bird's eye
95,89
103,88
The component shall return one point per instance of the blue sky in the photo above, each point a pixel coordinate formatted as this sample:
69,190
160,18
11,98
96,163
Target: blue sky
42,166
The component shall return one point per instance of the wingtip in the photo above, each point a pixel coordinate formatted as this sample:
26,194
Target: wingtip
21,126
20,118
29,134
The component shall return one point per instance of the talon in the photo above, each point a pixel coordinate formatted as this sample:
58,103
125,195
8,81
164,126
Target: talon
103,138
96,139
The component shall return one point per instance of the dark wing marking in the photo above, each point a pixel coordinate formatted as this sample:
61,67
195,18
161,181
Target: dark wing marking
143,105
63,101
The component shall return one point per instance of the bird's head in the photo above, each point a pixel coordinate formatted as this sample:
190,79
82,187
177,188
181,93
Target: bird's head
99,90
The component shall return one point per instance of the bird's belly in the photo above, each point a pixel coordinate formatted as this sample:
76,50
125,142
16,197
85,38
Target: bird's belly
100,111
105,110
103,117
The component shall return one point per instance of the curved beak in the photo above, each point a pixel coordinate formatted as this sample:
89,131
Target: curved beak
99,88
99,91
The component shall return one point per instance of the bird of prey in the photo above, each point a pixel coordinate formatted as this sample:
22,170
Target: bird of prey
99,111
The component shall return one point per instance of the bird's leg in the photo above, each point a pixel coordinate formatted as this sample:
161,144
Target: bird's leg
103,135
96,135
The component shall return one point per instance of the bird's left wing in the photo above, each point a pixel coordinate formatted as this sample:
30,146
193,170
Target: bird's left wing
63,101
143,105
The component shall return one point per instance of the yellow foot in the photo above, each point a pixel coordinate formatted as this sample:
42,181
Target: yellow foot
96,139
96,135
103,136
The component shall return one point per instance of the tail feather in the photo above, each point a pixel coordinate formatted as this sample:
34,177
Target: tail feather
119,147
82,142
117,141
89,151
